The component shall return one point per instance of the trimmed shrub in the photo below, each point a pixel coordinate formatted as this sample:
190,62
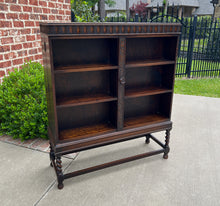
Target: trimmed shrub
23,109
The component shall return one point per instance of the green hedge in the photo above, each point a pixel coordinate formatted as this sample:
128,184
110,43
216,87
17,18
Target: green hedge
23,109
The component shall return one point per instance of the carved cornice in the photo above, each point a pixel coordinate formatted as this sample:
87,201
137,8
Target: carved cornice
53,29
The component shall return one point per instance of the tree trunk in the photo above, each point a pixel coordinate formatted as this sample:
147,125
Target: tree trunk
101,9
127,10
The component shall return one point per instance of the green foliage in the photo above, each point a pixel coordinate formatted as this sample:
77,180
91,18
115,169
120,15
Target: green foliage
23,109
82,11
110,3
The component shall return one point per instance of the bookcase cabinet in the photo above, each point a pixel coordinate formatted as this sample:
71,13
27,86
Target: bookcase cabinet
107,83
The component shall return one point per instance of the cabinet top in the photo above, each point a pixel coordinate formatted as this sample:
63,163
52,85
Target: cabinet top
128,28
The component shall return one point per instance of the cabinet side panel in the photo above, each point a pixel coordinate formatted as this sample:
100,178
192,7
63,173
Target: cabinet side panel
49,89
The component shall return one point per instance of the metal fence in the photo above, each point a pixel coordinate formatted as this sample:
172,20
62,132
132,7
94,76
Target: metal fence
199,45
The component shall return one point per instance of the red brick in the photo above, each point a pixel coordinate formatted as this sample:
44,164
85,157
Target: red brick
61,12
14,32
43,17
24,16
29,23
2,73
4,32
65,6
27,8
2,16
39,50
54,11
18,24
22,53
17,61
34,17
43,3
10,1
51,5
37,57
28,45
10,55
38,37
4,49
67,1
25,31
46,11
23,1
5,64
59,18
4,24
61,1
12,16
33,2
3,7
37,10
30,37
19,39
15,8
35,31
52,17
32,51
37,44
37,23
16,47
7,40
27,59
1,57
67,12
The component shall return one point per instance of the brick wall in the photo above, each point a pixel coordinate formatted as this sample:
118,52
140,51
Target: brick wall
19,29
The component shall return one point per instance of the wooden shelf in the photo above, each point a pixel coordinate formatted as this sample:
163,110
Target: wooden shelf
140,92
83,100
150,62
143,120
84,68
86,131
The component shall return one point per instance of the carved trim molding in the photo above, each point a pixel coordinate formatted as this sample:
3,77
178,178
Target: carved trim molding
109,28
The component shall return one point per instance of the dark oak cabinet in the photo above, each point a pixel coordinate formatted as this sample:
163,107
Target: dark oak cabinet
107,83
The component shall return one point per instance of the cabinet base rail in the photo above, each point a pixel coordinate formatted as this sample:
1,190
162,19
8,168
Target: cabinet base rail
56,160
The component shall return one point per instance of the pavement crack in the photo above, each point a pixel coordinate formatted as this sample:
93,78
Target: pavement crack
52,185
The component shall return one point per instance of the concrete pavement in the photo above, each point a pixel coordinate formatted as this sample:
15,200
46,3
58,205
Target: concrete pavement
191,175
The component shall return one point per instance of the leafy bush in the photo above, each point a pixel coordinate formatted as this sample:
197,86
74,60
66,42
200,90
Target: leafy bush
82,11
139,8
23,110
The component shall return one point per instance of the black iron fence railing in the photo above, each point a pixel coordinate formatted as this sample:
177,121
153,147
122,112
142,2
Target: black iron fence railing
199,45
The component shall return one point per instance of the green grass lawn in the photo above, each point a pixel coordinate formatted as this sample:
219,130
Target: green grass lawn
198,87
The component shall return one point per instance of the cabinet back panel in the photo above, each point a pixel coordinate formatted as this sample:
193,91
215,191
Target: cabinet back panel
68,52
150,48
142,77
78,116
82,83
149,105
143,48
141,106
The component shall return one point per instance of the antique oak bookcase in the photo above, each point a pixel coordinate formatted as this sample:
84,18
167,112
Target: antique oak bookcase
107,83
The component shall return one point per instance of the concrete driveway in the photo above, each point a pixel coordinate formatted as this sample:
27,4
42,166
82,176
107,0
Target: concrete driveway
191,175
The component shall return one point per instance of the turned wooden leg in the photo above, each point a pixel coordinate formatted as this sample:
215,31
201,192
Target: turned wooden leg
52,156
59,172
166,146
147,141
